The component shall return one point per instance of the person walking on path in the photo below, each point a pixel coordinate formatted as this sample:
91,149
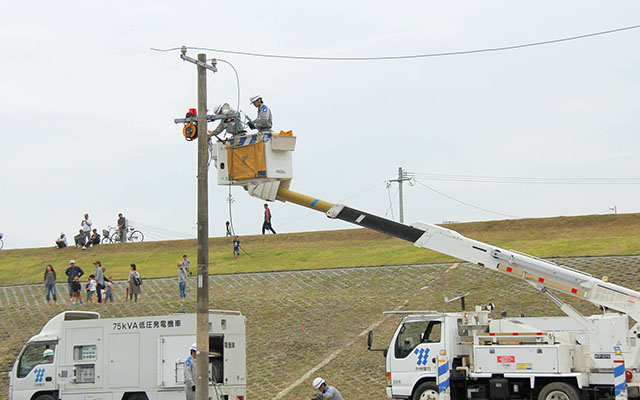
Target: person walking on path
236,248
190,374
122,228
72,272
228,228
50,283
86,226
108,296
266,225
61,242
133,283
182,281
99,274
187,264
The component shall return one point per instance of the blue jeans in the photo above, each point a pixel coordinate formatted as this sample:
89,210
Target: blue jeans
51,290
182,289
108,296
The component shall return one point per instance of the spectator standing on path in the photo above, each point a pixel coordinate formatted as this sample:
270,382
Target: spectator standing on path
133,283
190,374
50,283
182,281
61,242
99,275
325,391
187,264
236,248
266,225
228,228
109,292
122,228
85,225
91,289
75,291
72,272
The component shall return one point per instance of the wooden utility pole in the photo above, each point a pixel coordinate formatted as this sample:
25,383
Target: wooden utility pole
202,307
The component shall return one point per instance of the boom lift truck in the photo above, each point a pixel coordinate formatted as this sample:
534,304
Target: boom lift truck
435,355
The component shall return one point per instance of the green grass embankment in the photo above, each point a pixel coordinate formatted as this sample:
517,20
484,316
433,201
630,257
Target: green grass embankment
592,235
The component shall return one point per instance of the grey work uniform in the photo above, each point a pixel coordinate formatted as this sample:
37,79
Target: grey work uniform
232,126
331,393
264,121
190,378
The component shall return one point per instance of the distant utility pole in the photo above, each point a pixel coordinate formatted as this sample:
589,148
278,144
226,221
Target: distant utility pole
401,178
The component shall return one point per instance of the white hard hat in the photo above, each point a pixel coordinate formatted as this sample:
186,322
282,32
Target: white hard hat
254,98
47,353
193,347
72,261
317,383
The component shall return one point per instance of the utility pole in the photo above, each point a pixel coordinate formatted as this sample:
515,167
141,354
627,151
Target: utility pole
401,178
202,307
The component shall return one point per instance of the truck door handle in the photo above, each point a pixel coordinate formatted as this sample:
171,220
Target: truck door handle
48,379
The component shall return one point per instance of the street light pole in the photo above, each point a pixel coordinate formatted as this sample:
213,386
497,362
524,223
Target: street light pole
202,306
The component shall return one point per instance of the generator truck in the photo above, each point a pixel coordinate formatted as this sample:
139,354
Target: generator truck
468,354
78,355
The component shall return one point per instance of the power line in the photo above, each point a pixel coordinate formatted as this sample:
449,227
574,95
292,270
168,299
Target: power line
464,202
404,57
527,180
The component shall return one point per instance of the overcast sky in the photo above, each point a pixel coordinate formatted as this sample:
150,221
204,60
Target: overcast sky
87,109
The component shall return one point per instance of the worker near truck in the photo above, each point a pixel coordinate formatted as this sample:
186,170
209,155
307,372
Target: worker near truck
48,356
264,120
190,374
325,391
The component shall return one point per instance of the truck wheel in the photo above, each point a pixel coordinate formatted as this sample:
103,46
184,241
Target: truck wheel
559,391
426,391
45,397
216,370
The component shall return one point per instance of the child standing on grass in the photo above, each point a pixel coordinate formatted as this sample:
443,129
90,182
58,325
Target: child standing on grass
75,291
91,289
109,291
236,248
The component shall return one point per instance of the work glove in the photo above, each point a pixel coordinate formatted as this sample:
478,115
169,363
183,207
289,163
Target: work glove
193,388
250,123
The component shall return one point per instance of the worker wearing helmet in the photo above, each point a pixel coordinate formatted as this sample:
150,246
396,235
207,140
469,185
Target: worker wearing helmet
325,391
233,126
48,356
190,374
264,121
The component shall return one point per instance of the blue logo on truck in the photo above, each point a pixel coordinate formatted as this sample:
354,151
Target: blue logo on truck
422,356
39,374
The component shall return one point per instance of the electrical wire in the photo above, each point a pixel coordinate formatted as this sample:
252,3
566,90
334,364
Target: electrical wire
525,180
391,201
404,57
465,203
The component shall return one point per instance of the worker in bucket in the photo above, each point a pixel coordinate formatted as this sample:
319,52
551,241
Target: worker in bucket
190,374
325,391
48,356
233,126
264,121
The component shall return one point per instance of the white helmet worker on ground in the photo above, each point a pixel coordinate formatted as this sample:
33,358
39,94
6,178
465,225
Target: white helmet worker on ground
190,374
325,391
264,120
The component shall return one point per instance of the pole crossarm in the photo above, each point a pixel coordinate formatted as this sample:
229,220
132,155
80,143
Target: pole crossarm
185,57
210,118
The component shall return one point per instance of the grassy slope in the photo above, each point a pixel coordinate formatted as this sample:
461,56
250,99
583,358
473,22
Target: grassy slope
543,237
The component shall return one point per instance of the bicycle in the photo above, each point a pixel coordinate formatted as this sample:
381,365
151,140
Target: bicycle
108,236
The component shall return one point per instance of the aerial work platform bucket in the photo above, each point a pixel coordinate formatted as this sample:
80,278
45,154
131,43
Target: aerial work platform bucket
254,159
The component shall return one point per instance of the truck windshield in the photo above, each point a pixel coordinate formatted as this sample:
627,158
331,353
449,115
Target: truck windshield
35,354
415,332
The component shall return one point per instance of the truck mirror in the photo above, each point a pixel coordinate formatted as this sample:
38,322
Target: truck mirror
369,340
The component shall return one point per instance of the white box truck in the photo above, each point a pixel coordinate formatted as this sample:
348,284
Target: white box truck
78,355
